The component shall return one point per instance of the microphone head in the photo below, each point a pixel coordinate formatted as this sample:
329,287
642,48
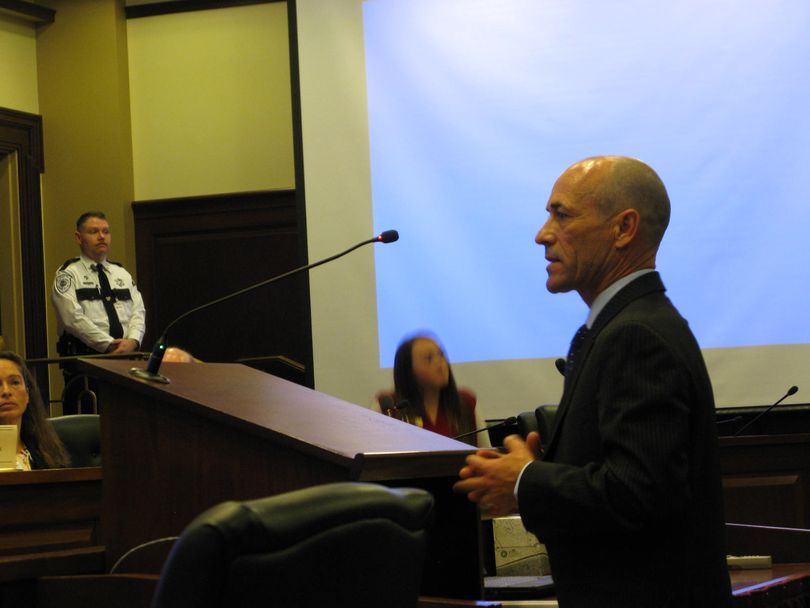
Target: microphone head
156,356
386,403
151,373
389,236
560,365
793,390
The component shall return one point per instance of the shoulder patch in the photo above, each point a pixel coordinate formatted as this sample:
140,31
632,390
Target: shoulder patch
116,263
63,282
68,263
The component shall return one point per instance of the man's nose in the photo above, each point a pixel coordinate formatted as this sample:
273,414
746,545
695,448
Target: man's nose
544,235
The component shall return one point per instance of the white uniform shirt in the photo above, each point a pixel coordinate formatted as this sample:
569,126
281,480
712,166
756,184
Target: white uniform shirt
86,319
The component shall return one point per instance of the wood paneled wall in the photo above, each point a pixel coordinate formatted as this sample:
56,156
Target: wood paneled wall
191,251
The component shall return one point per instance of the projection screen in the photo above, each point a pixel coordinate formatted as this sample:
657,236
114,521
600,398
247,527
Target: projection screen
449,120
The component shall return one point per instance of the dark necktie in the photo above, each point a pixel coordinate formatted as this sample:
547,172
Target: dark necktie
576,345
107,297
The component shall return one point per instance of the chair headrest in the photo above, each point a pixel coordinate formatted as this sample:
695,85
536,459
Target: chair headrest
81,435
280,521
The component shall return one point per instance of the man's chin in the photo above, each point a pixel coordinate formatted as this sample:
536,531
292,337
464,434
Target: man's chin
557,287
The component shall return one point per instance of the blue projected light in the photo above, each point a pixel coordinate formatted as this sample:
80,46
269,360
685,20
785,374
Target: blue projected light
476,107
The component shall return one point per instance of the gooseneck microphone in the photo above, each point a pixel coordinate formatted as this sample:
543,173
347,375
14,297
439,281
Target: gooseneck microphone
388,406
156,356
791,391
508,422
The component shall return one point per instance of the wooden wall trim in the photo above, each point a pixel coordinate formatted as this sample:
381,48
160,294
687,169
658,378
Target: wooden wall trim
185,6
211,203
193,250
766,479
21,132
28,11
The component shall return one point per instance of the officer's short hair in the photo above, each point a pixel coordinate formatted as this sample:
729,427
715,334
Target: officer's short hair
86,216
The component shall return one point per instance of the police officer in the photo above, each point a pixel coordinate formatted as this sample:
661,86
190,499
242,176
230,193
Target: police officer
98,307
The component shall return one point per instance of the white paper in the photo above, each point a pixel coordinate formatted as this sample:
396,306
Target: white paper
8,446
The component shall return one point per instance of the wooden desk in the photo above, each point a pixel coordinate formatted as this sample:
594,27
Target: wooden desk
784,545
766,479
49,525
228,432
63,562
782,585
48,510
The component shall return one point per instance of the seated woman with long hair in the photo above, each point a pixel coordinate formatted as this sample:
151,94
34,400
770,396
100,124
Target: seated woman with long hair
425,391
38,446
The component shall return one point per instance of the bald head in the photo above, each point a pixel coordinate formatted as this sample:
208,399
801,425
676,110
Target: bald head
620,182
607,215
177,355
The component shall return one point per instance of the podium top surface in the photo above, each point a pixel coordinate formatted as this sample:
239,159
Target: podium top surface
313,422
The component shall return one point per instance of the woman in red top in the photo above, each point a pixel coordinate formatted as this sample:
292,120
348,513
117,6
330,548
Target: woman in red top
423,379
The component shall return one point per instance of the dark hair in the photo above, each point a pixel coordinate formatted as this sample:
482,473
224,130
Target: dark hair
35,431
86,216
459,417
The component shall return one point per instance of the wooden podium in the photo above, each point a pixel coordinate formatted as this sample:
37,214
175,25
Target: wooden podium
228,432
49,523
766,479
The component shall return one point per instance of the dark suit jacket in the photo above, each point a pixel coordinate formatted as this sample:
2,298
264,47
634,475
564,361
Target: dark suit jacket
628,497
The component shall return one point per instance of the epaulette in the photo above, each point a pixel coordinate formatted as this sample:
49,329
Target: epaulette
116,263
68,263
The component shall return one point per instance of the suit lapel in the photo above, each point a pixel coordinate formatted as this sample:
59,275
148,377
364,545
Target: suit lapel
642,286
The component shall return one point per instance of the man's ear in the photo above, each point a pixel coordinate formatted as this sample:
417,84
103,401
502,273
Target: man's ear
78,237
625,227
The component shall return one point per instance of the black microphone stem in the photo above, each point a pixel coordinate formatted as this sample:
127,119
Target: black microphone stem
791,391
476,431
508,422
156,357
265,282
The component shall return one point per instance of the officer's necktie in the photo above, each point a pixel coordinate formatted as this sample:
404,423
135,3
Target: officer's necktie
116,331
576,345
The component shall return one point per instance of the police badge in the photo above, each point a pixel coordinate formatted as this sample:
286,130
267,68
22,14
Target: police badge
63,282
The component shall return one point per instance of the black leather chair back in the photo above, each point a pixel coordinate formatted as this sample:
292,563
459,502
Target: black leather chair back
81,434
527,422
546,416
342,544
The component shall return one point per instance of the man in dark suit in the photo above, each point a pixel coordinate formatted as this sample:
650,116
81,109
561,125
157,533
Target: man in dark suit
627,497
